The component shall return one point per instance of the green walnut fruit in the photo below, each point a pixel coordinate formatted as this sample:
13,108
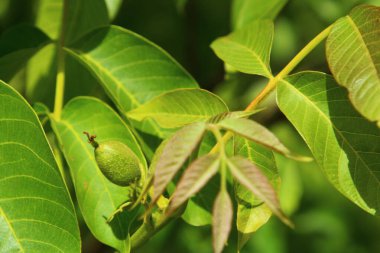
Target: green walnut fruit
116,160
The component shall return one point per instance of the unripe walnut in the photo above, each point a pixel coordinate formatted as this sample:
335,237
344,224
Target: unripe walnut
116,161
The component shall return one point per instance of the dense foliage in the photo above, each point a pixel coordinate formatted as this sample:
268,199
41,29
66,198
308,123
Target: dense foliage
166,148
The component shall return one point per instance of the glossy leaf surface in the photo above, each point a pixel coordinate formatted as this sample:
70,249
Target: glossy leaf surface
34,201
130,68
180,107
97,197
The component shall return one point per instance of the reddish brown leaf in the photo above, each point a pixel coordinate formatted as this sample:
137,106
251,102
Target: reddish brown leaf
174,155
251,177
194,178
222,215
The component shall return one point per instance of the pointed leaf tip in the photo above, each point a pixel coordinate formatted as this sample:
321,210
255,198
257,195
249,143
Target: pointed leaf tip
255,132
251,177
174,154
193,179
222,216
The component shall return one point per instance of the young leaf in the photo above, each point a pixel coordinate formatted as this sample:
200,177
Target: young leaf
252,213
234,115
198,210
248,49
130,68
173,156
17,45
180,107
222,216
251,177
352,50
34,201
246,11
193,179
98,198
345,145
255,132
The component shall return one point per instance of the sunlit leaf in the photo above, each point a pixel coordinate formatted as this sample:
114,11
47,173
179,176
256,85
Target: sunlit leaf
98,198
130,68
246,11
113,7
34,201
248,49
222,215
180,107
352,50
198,210
252,213
49,17
253,179
236,114
258,133
193,179
173,156
344,144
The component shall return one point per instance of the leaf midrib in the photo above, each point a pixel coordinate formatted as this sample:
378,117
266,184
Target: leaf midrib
2,213
364,44
71,129
263,65
335,128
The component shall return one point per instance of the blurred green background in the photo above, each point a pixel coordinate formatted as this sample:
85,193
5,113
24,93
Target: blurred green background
325,221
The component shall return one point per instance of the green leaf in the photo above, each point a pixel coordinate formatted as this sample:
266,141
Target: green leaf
49,17
193,179
41,76
198,210
17,45
176,151
130,68
249,175
180,107
222,216
234,115
34,201
345,145
255,132
252,213
84,16
246,11
352,50
98,198
113,7
248,49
